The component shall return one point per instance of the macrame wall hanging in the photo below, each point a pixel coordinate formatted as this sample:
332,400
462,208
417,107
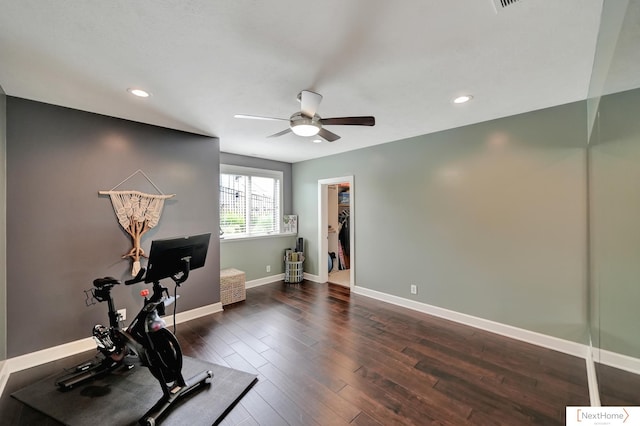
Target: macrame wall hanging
137,212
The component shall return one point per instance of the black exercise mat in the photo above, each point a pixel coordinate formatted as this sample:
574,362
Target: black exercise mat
123,396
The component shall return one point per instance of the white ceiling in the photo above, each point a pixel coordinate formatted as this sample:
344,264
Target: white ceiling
206,60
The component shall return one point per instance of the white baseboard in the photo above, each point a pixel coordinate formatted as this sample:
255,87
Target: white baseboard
276,278
616,360
264,280
43,356
592,380
4,375
279,277
311,277
54,353
193,313
612,359
550,342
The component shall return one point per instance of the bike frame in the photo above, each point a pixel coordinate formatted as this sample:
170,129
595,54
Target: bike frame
141,341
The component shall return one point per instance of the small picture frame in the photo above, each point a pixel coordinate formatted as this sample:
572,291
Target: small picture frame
290,223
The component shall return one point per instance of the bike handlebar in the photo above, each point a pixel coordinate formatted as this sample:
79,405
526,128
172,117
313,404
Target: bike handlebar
138,278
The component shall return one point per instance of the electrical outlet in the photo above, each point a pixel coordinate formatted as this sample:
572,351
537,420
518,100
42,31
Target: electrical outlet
414,289
268,268
122,314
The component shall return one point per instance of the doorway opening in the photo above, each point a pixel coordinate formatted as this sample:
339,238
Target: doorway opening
336,251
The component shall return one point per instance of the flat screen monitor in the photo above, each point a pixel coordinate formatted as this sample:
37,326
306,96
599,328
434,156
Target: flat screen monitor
166,257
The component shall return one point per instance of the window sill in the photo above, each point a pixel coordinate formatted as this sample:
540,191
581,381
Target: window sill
230,238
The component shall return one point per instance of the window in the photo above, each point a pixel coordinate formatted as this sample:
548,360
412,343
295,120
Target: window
250,201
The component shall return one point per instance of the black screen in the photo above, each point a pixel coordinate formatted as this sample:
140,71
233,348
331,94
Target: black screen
166,257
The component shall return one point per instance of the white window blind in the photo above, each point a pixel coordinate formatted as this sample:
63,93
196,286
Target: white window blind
250,201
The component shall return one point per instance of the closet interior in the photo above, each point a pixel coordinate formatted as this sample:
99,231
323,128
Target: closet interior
338,203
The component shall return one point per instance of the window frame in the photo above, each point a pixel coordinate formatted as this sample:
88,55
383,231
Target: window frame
229,169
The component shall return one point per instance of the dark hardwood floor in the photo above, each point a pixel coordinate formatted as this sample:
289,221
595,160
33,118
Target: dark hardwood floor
617,387
325,357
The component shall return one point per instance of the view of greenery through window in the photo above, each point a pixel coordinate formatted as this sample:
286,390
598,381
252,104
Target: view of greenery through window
249,205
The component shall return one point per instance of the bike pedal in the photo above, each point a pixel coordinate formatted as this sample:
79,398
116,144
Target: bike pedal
103,339
84,367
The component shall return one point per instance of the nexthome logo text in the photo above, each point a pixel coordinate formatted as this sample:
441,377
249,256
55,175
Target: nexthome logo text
603,416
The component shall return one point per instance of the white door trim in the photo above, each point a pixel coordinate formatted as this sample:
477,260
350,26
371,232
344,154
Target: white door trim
323,231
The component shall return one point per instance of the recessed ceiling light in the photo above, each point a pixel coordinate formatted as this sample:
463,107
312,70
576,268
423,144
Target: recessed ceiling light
462,99
138,92
317,140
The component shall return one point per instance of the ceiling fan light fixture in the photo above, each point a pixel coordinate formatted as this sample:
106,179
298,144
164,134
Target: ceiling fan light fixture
304,126
305,129
307,123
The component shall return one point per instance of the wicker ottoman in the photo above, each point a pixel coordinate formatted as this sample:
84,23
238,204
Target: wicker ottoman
232,287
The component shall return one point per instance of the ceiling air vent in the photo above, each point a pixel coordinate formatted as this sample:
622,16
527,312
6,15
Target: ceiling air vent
502,4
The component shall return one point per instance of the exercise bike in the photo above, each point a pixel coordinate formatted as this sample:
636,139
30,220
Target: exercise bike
147,337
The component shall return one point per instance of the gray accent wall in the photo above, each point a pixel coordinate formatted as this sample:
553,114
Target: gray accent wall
487,220
253,255
3,223
61,234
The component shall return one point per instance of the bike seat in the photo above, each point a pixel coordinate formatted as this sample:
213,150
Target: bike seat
105,282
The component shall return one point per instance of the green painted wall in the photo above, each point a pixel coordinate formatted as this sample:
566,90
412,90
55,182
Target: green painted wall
252,256
615,215
487,220
613,174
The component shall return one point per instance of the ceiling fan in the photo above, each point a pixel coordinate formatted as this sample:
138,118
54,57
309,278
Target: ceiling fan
307,122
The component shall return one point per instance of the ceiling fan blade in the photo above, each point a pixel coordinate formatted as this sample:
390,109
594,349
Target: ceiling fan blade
309,102
284,132
259,117
328,136
349,121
